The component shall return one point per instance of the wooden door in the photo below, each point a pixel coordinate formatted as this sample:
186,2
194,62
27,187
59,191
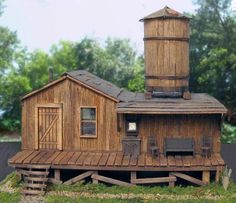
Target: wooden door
49,126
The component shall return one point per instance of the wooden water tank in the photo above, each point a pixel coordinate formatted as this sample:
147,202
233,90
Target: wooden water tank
166,49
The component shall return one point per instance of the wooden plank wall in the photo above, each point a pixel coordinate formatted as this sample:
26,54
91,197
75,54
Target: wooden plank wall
163,56
193,126
72,96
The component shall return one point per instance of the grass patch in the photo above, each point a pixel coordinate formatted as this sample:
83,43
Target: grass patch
58,199
13,180
100,193
6,197
103,193
212,189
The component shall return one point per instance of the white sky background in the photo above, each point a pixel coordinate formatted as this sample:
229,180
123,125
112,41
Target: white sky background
41,23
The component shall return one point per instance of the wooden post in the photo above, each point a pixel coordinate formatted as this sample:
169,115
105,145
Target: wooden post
171,183
94,180
218,173
133,176
206,177
57,174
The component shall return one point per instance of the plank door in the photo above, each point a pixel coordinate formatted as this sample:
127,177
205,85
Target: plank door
48,126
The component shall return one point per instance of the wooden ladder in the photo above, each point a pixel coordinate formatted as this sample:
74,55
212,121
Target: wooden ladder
35,179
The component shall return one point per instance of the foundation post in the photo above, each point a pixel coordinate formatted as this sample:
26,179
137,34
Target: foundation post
171,183
94,180
206,177
218,173
133,176
57,174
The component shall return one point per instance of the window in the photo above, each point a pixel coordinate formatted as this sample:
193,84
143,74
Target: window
88,122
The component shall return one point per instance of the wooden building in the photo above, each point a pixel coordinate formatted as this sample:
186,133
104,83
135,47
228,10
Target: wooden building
83,123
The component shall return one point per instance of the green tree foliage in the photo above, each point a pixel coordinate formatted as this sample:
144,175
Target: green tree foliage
228,134
115,61
218,75
213,50
9,45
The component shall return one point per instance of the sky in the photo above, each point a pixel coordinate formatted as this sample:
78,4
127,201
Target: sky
41,23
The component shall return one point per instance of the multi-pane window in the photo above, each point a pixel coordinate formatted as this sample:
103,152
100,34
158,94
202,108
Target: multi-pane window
88,122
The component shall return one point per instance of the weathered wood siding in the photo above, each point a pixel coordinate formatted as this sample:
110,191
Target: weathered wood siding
194,126
72,96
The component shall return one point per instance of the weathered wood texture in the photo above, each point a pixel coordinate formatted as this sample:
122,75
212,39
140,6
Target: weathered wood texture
72,95
110,180
166,53
184,126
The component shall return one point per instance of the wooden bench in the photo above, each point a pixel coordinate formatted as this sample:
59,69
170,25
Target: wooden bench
179,145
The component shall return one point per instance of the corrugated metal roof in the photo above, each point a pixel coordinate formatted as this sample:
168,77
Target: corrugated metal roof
166,12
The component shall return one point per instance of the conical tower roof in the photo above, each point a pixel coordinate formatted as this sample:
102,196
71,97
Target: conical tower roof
166,12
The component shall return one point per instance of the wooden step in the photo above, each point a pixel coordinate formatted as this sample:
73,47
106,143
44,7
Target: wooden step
32,185
33,192
37,166
38,173
38,179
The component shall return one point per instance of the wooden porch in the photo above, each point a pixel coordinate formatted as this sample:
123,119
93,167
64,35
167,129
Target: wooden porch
34,166
114,161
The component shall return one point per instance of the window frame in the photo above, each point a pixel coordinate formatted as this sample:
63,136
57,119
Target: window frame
81,121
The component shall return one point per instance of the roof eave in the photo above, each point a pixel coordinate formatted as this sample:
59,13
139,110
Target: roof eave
126,111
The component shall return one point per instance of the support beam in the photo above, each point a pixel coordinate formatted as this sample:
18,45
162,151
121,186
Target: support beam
57,174
154,180
172,183
78,178
110,180
206,177
188,178
133,176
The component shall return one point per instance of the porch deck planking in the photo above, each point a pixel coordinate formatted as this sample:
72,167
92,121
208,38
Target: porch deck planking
66,158
126,160
104,159
81,159
74,158
46,156
113,159
28,159
53,157
38,157
96,159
